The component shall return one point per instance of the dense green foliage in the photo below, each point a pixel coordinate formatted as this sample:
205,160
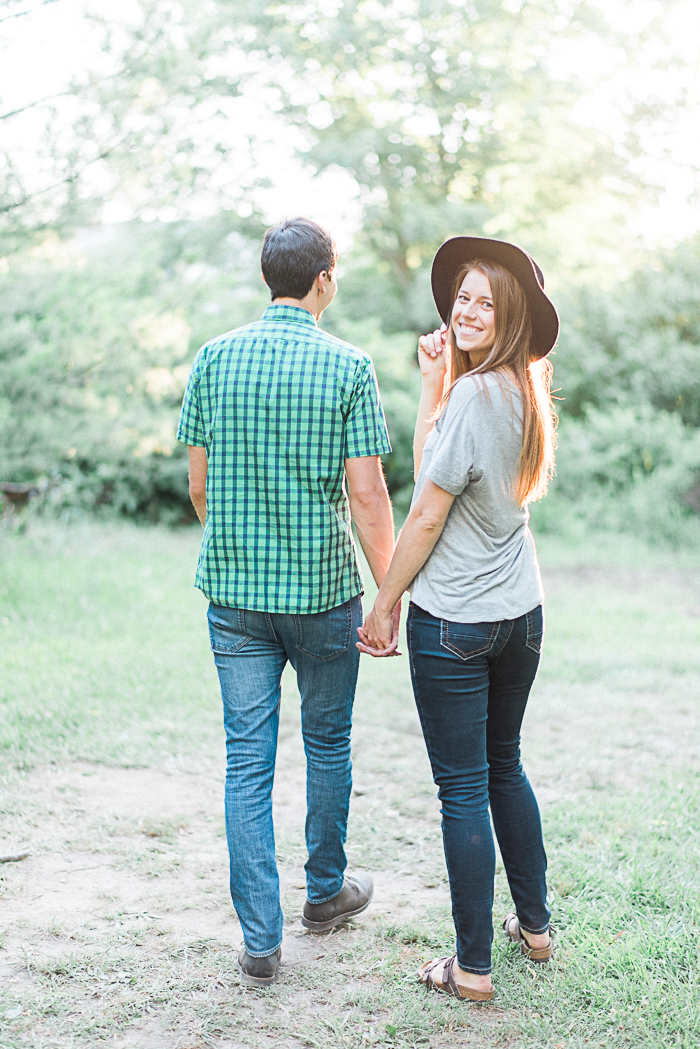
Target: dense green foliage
97,336
96,339
628,366
448,118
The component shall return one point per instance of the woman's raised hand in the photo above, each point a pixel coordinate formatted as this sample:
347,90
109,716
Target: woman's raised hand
431,354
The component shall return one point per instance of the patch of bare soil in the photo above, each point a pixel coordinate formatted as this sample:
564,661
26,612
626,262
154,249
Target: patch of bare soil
126,887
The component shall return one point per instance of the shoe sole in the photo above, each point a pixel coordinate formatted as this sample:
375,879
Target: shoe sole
255,981
323,926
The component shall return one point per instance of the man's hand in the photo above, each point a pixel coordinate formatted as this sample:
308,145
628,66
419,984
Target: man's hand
379,634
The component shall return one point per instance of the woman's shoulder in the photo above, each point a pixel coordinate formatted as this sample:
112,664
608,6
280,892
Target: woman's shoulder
481,387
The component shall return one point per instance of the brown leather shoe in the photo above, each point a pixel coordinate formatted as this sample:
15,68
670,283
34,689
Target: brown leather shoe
353,899
258,972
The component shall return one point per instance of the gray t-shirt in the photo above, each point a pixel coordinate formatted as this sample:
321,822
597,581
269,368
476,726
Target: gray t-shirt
483,567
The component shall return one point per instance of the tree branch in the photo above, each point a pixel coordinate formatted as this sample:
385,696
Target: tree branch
18,14
30,105
56,185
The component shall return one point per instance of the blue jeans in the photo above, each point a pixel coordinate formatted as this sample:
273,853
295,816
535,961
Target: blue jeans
471,682
251,650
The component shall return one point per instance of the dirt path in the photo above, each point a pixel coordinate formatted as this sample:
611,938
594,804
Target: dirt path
119,925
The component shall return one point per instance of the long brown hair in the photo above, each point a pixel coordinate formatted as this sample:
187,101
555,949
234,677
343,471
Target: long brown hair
512,351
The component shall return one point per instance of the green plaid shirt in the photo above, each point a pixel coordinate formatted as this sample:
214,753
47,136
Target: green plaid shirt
279,405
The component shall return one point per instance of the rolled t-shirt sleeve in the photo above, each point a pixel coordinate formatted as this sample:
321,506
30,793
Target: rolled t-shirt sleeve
365,427
190,429
452,460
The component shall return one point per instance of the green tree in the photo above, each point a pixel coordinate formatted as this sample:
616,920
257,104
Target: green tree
96,341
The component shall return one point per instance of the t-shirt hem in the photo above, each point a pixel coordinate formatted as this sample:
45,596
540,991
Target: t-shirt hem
472,616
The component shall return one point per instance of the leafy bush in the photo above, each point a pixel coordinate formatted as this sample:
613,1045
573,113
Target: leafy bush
96,341
630,469
97,337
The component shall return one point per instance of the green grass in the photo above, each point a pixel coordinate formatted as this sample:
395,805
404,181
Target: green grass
104,660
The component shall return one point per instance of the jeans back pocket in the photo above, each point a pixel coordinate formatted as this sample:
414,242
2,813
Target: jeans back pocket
227,629
535,629
325,635
467,640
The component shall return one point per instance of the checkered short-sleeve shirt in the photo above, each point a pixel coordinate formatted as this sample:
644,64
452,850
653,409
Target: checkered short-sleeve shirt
279,405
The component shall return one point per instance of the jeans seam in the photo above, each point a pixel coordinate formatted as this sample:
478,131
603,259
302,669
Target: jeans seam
511,622
529,633
267,954
534,932
477,970
317,903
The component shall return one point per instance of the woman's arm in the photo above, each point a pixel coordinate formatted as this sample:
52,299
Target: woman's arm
433,366
421,532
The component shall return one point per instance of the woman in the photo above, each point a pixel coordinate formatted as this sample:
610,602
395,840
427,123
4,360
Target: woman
483,449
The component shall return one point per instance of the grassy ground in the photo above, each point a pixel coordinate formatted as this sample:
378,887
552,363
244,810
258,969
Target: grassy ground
117,927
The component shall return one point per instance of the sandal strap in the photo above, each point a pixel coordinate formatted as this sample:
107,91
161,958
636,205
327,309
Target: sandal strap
448,978
428,974
515,935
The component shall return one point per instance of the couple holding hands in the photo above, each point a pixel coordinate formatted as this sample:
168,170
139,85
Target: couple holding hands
285,429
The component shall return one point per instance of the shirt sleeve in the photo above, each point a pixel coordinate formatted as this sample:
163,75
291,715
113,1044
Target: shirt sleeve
452,460
365,427
190,430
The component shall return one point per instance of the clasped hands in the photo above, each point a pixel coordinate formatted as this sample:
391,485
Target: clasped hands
379,634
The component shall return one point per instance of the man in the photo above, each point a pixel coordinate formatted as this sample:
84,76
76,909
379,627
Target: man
280,417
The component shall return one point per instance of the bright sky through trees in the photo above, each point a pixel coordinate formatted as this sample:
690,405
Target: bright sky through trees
651,55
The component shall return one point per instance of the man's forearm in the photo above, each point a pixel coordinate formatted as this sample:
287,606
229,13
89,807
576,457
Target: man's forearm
200,505
199,467
374,523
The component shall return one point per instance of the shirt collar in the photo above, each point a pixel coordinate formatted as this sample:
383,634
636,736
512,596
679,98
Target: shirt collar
289,313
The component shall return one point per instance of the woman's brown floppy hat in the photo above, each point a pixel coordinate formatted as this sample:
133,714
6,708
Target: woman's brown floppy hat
458,251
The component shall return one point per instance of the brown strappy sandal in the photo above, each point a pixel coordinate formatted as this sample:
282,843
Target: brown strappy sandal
448,984
511,927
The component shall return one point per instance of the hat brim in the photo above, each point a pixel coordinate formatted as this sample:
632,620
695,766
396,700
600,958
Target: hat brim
458,251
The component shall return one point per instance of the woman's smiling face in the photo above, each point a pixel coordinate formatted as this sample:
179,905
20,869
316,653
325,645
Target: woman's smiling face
473,318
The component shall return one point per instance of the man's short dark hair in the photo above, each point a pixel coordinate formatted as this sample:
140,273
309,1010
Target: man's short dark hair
293,254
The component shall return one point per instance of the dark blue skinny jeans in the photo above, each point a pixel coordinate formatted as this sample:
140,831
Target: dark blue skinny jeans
471,682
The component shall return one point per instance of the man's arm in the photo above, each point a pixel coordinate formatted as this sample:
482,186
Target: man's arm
371,511
198,481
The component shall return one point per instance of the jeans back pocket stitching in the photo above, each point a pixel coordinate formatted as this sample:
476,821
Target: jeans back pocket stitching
348,637
224,650
221,650
445,643
531,634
